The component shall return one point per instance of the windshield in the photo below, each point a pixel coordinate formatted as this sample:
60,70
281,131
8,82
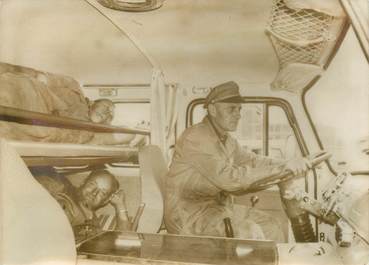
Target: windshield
339,107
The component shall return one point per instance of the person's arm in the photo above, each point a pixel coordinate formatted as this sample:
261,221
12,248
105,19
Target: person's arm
112,138
227,175
297,165
249,158
132,140
121,213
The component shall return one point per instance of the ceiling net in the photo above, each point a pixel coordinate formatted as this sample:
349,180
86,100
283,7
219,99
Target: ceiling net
300,36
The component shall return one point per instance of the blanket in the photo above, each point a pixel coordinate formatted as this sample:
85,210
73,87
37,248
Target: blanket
28,89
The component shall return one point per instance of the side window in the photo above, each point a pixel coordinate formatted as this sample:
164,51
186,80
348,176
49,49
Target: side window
250,128
198,113
132,104
282,142
264,129
131,114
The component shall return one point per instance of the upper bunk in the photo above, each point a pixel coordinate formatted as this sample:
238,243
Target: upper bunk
48,117
93,53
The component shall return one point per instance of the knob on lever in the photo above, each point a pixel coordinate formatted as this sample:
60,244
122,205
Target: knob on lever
254,200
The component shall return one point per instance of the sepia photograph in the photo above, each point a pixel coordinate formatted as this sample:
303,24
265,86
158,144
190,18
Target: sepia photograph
194,132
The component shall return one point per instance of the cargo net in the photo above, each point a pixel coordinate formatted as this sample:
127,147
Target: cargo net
299,38
299,25
290,53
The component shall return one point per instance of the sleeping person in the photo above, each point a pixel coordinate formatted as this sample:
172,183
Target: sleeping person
28,89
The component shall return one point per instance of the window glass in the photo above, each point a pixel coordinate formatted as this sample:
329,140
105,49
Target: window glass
342,127
198,113
131,114
250,128
282,140
282,143
339,108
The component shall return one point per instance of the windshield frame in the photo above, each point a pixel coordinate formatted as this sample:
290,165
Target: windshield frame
339,41
290,115
269,101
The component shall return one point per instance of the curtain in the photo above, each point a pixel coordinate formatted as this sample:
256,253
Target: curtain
164,110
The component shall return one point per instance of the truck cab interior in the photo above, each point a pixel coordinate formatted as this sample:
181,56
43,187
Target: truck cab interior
302,68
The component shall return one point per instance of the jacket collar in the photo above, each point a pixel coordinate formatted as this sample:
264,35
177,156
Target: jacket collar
216,134
221,136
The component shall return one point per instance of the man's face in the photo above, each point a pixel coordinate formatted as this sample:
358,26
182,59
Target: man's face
96,191
102,112
227,115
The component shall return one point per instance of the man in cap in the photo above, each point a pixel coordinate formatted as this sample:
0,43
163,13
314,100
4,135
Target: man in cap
209,166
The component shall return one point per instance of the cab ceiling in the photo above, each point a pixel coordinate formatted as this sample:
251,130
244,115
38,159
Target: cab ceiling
194,42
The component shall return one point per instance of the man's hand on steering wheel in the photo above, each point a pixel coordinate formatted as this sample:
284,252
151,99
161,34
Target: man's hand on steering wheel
298,166
292,168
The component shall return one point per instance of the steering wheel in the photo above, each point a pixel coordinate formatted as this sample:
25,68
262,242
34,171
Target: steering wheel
269,181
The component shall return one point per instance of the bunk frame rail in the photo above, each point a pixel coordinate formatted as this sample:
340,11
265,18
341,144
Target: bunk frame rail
66,154
41,119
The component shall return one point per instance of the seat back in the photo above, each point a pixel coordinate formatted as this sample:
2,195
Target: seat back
153,170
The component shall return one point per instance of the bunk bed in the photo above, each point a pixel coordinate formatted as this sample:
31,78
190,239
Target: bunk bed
44,107
39,122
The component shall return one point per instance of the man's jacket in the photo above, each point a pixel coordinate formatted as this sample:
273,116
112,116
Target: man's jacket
203,175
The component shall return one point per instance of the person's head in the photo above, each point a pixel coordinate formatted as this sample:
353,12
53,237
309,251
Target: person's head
224,106
102,111
97,189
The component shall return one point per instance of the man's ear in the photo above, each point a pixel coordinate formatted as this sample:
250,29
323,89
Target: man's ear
212,110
